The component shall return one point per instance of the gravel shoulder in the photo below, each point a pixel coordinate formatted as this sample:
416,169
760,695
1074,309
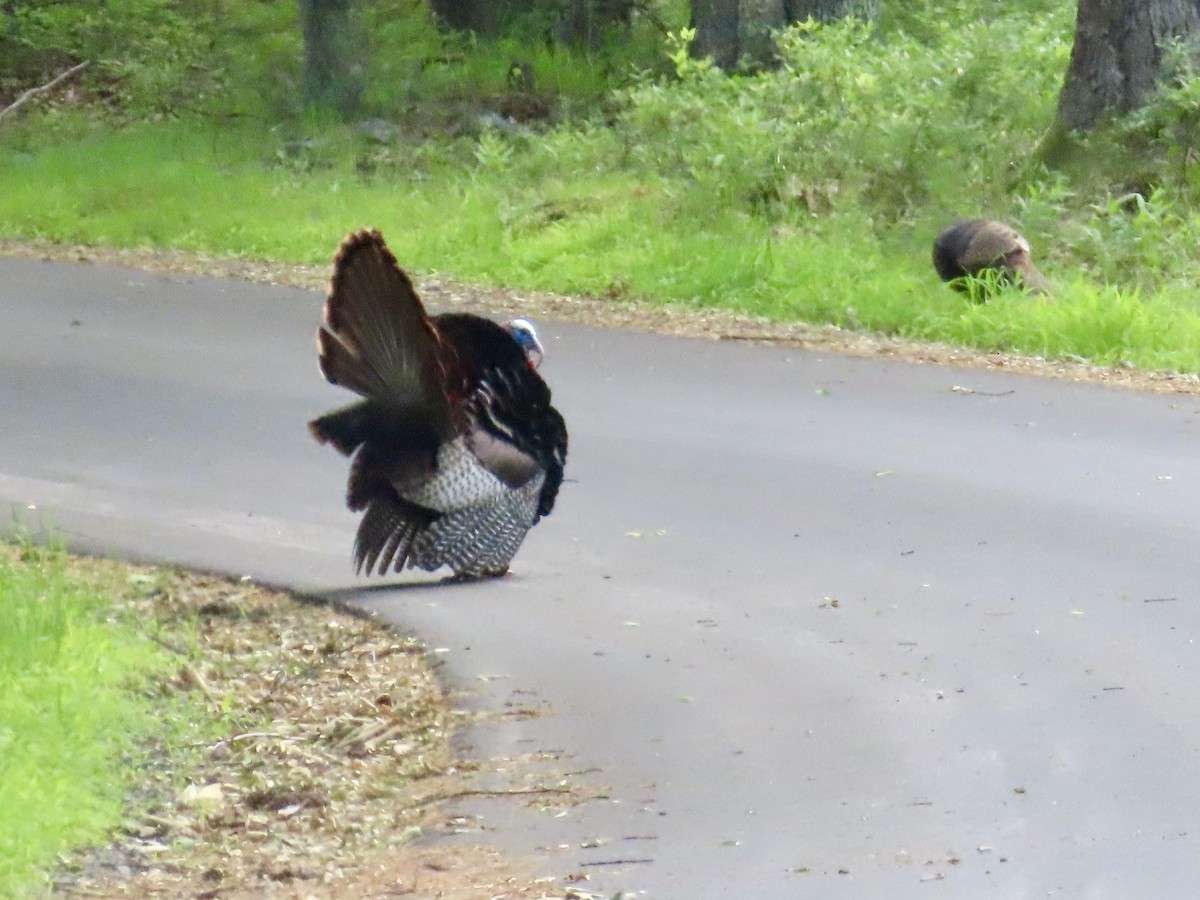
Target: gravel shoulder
673,320
323,755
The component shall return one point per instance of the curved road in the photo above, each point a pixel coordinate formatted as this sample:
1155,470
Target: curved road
813,626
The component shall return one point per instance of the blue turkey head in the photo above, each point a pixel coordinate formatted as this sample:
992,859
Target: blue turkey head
525,335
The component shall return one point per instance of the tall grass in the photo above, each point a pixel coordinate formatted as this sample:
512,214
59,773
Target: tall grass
68,714
640,235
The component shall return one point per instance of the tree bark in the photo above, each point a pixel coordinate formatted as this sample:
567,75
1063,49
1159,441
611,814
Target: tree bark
759,19
734,30
830,10
480,16
1118,54
333,72
584,23
716,24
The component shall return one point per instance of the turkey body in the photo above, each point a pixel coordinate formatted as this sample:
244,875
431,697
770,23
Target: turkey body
456,451
974,246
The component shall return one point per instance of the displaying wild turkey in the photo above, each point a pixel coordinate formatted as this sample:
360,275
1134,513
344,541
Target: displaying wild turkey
456,449
974,246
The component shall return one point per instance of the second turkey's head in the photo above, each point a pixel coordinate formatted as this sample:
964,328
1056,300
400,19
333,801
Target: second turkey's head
525,335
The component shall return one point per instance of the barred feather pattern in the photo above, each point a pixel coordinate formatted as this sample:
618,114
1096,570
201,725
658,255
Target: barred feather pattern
461,481
483,521
482,539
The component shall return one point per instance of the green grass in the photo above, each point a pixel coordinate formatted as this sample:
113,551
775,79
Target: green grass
535,217
69,717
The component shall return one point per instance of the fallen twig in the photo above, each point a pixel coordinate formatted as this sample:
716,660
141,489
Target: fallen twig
765,338
615,862
34,91
959,389
458,795
177,649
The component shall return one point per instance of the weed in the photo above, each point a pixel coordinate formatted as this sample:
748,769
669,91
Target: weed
68,718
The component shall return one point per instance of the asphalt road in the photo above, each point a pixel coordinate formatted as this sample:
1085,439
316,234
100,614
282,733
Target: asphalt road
813,626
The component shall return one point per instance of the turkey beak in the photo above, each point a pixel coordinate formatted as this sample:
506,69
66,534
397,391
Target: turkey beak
536,353
1035,282
1031,279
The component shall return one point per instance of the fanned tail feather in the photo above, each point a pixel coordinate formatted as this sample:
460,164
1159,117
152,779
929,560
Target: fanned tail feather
377,339
341,366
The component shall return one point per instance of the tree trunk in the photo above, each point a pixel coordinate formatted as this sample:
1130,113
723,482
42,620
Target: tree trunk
584,23
1118,55
734,30
759,19
480,16
333,71
730,30
716,24
830,10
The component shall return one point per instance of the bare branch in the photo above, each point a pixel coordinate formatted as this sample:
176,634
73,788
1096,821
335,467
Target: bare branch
33,92
648,12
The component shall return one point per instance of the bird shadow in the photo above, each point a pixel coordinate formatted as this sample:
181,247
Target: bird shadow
349,598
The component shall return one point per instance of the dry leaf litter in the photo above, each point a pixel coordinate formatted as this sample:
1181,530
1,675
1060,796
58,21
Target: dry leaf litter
331,757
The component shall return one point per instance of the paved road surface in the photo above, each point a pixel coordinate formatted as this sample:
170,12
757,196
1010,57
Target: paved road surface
816,626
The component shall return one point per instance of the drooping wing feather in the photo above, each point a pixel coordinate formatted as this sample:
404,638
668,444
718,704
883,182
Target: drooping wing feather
990,246
555,440
386,533
516,433
346,428
505,460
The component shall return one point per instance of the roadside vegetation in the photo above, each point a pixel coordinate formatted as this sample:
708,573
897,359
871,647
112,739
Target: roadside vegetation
809,192
73,712
170,734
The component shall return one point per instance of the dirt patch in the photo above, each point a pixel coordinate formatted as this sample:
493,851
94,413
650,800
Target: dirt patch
324,759
674,320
